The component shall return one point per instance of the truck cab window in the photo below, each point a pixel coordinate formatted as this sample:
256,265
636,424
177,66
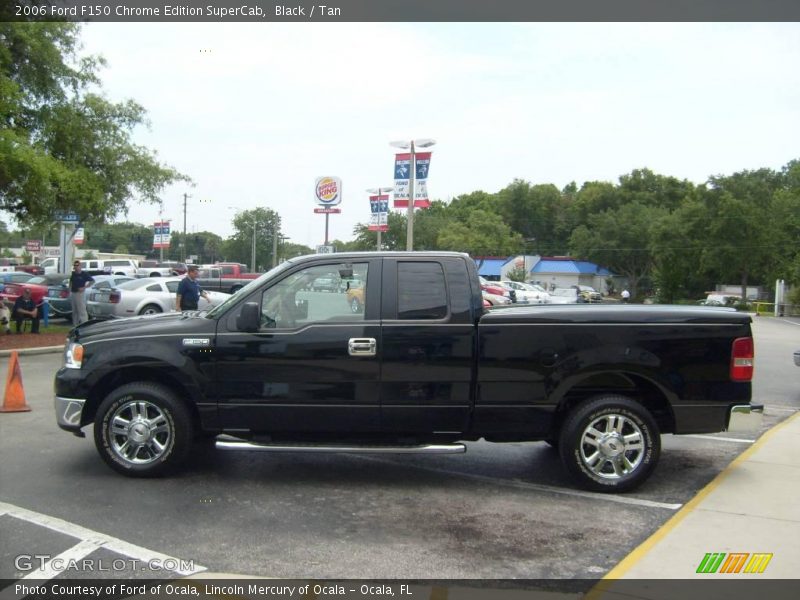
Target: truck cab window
318,294
422,293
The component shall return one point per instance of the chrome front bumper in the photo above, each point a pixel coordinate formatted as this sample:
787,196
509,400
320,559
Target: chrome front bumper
68,412
745,417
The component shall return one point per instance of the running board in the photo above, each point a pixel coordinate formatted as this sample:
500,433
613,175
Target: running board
421,449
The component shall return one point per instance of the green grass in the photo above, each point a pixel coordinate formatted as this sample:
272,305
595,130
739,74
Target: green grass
60,327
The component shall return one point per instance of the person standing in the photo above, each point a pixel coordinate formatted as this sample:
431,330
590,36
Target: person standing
77,284
626,295
25,308
189,291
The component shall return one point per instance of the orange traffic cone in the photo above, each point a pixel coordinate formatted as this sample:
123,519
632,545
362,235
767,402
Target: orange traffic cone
14,400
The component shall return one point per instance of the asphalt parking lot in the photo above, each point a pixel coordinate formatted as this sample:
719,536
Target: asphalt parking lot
501,511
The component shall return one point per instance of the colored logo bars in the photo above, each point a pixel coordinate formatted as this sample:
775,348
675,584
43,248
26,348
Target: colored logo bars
161,235
734,562
402,172
379,207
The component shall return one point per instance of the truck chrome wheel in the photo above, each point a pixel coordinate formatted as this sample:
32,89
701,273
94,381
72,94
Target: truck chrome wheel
611,446
139,432
610,443
143,429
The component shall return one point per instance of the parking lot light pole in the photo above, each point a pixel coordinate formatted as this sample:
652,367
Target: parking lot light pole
412,145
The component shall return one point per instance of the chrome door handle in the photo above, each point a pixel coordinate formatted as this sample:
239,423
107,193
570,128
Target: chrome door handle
362,346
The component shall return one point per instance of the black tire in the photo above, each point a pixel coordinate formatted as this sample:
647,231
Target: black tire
235,289
154,430
608,465
151,309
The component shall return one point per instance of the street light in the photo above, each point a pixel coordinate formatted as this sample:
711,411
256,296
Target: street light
379,191
412,145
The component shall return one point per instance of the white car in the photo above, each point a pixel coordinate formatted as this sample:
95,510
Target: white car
565,296
528,293
148,296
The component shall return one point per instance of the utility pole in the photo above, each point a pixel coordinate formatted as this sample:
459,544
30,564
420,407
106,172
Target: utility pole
183,243
412,145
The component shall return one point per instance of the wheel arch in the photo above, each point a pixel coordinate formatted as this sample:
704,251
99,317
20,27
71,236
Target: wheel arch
637,386
120,377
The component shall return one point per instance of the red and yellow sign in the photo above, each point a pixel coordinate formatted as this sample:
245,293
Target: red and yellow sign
328,191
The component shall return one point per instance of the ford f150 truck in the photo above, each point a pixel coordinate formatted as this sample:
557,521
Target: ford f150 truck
420,367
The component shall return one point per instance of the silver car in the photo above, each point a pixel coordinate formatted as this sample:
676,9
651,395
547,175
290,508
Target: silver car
148,296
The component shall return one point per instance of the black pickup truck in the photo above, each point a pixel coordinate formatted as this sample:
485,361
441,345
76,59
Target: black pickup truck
421,367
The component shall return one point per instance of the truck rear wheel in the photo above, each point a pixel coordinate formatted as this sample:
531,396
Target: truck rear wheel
143,430
610,444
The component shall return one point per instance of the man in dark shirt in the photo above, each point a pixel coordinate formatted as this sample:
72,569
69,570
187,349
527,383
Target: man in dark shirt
77,283
25,308
189,291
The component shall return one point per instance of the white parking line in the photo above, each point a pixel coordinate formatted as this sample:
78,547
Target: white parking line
98,539
719,439
81,550
535,486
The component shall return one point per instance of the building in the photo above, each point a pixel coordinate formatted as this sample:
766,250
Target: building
564,271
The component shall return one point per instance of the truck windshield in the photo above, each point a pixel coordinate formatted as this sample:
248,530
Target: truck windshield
234,298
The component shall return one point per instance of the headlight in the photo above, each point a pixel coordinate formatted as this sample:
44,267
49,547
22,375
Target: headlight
73,356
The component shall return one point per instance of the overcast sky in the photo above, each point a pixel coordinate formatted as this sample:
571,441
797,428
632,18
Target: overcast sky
255,112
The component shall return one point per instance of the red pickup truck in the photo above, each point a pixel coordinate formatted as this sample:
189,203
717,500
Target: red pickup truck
234,271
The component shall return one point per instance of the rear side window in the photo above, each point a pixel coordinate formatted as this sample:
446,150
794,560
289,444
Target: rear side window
421,291
227,270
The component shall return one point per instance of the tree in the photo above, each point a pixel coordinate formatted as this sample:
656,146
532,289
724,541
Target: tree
61,146
620,240
483,234
739,242
239,247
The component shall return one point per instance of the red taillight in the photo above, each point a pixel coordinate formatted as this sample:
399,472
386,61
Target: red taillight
742,357
114,297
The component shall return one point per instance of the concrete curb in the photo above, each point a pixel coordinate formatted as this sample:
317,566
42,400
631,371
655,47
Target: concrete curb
29,351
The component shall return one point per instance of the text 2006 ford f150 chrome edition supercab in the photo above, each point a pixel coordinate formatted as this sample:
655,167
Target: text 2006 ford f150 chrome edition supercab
421,368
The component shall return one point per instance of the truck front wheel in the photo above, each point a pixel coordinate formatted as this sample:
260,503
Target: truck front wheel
610,444
143,430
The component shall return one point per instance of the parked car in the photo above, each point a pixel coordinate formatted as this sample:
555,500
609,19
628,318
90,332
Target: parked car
103,283
721,300
527,293
38,285
493,287
566,296
148,296
32,269
588,293
495,299
120,266
50,265
15,277
327,283
355,295
154,268
212,279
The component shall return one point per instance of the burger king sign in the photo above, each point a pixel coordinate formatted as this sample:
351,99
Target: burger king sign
328,191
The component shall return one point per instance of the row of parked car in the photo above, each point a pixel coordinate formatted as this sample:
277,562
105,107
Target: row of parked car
110,296
499,293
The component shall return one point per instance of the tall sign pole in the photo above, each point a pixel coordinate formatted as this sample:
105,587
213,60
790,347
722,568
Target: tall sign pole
328,196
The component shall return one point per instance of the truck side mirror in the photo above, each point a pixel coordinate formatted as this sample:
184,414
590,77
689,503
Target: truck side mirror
250,317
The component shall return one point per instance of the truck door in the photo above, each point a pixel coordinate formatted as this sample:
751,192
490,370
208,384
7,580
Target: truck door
313,366
428,343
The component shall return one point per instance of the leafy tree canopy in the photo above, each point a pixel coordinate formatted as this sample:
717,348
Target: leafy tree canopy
63,147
